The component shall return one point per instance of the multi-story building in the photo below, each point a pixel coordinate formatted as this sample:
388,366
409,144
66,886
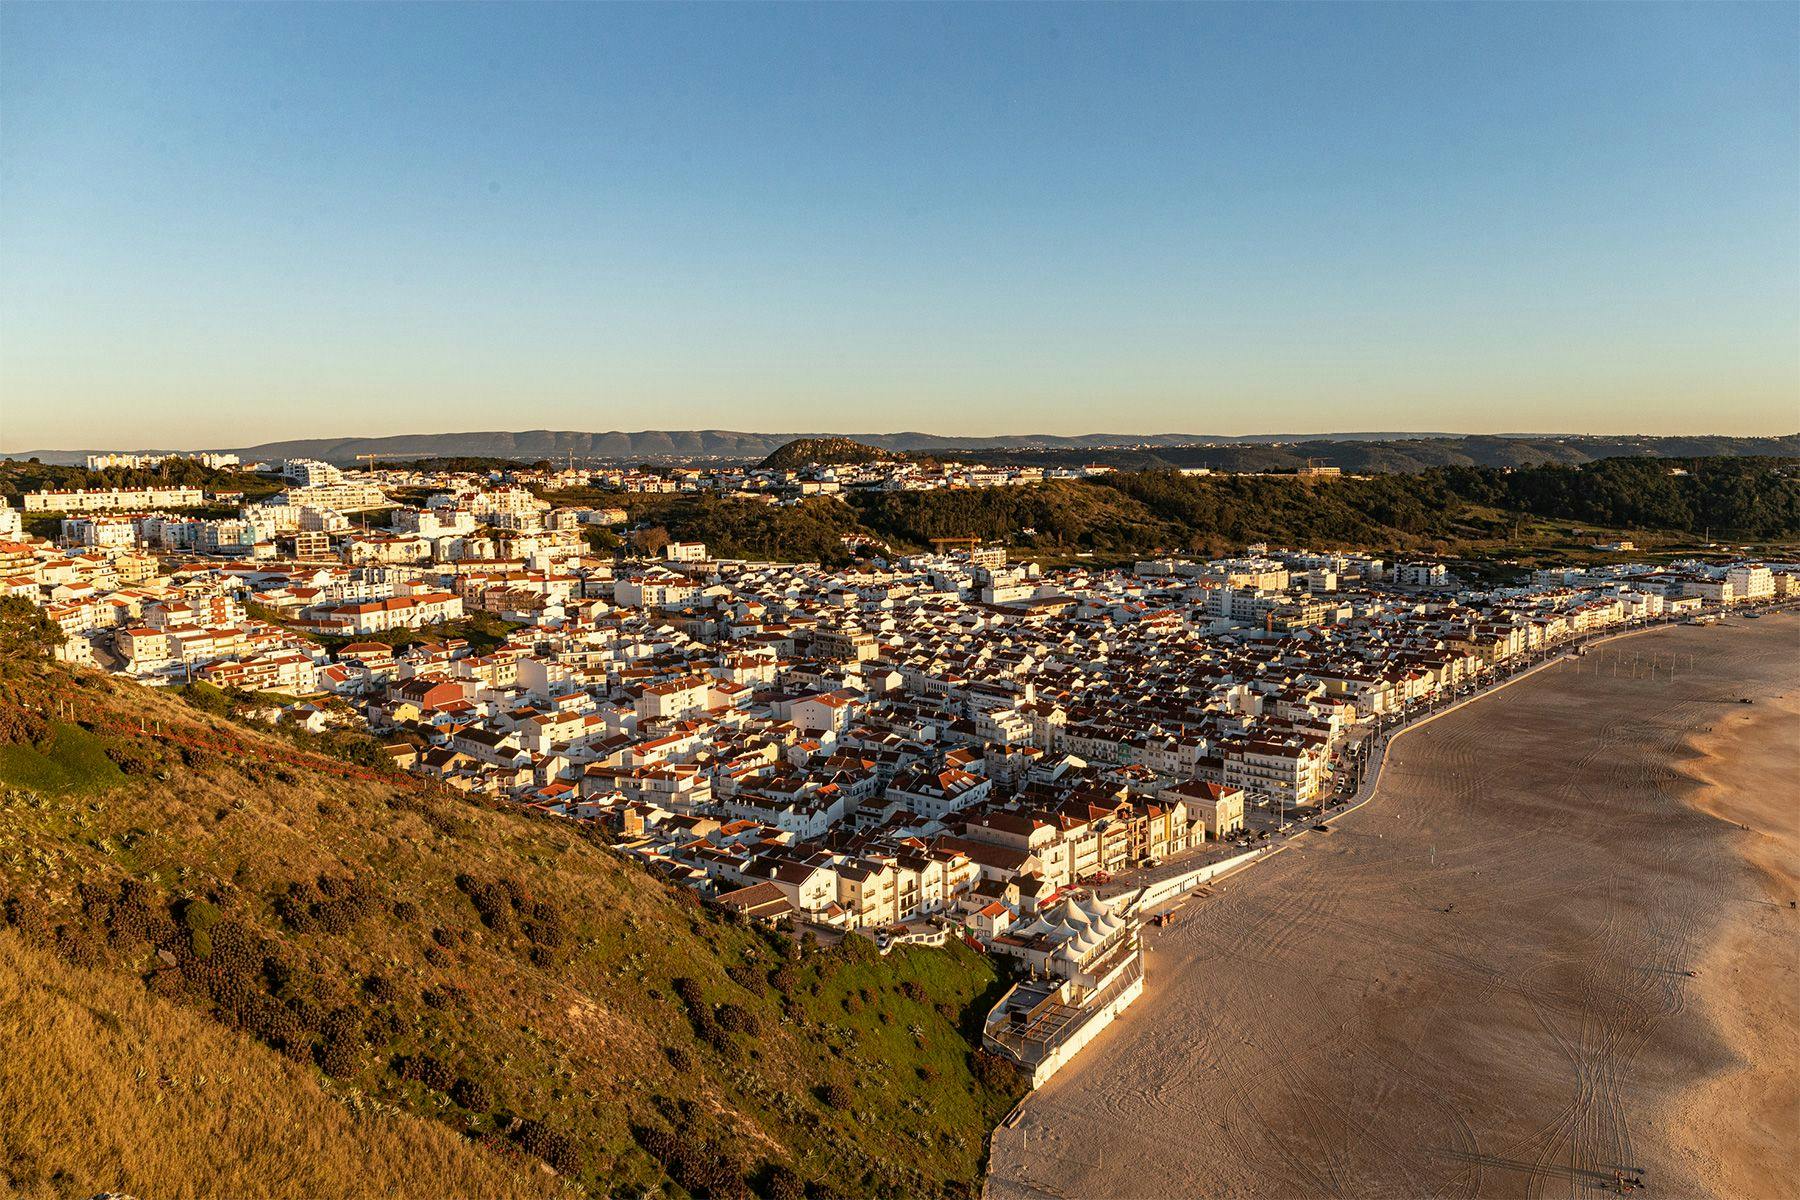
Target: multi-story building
114,499
376,616
1750,583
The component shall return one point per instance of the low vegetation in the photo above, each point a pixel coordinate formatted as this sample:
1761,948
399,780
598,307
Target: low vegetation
18,477
1459,512
1399,454
420,955
172,1104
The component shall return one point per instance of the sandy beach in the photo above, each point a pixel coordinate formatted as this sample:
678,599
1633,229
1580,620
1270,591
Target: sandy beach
1547,951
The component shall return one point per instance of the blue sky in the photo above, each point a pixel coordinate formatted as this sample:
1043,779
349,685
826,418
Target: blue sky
223,224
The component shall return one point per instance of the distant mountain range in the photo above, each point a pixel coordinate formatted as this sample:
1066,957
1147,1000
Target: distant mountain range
1373,451
662,443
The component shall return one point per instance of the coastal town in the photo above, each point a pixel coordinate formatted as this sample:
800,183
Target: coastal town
899,601
918,747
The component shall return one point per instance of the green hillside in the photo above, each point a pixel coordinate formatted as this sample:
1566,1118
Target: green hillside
505,977
1544,513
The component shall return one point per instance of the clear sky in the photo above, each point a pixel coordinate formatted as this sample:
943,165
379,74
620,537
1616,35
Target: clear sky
223,224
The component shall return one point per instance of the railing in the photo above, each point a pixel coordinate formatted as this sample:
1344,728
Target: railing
1030,1051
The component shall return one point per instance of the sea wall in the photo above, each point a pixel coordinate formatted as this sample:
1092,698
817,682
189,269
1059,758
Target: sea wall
1164,890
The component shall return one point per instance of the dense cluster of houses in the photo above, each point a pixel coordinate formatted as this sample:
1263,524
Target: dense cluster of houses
941,736
792,483
939,744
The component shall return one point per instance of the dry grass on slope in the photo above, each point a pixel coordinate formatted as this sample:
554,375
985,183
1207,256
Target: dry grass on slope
105,1086
505,976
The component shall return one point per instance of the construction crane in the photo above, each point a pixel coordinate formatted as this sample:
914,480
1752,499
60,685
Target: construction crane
940,544
373,459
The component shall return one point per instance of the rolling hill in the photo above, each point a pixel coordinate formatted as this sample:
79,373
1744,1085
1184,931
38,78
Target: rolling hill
827,451
1253,452
405,975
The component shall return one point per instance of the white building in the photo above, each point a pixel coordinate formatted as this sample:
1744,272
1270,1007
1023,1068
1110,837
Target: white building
1421,574
114,499
1750,582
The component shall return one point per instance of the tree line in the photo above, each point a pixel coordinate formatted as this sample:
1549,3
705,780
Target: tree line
1156,511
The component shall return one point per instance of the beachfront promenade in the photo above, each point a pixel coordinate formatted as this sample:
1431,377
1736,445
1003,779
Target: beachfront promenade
1270,831
1494,983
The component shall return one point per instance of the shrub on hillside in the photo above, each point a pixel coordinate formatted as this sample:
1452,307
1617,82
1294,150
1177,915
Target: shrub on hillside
96,898
27,913
333,905
198,917
545,928
342,1025
383,1026
719,1040
130,915
197,758
340,1058
659,1144
132,759
494,904
78,945
737,1019
516,892
534,1137
425,1069
854,948
705,1172
994,1072
295,907
22,727
700,1169
275,1023
782,1182
26,631
472,1094
381,987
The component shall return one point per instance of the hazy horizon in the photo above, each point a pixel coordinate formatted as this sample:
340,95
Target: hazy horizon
233,224
1123,435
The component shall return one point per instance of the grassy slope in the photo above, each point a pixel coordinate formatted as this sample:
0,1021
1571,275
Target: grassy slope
172,1105
71,761
578,1027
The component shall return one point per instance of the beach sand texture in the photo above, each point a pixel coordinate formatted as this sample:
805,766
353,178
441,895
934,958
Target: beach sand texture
1478,984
